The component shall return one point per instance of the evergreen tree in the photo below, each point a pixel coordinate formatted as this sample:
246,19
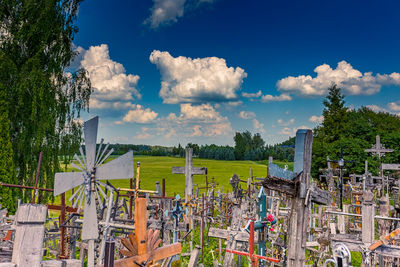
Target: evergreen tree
335,114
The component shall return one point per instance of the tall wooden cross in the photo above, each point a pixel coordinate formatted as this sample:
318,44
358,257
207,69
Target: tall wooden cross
189,171
92,170
378,148
297,185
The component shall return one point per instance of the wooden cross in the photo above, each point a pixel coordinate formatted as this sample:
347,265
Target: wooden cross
378,148
189,171
254,258
233,235
142,247
297,185
133,192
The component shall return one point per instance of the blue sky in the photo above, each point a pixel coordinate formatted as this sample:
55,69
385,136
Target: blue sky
177,71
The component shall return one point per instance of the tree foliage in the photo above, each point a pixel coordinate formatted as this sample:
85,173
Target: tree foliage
43,99
354,130
248,147
7,174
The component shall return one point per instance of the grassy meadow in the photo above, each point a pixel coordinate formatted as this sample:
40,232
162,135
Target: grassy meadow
155,168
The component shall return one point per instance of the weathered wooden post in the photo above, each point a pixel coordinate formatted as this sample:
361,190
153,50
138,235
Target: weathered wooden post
368,214
29,234
299,212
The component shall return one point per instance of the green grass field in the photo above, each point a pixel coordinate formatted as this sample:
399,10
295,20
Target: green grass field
154,168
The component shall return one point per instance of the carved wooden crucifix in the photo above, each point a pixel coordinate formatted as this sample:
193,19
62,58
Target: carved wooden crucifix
142,247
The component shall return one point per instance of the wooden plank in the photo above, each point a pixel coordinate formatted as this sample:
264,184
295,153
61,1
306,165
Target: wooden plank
72,263
51,263
224,234
280,185
199,170
388,251
393,167
141,224
156,255
29,233
194,256
178,170
319,196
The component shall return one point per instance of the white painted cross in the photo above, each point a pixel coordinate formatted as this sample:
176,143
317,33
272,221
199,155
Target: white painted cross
91,171
189,171
378,148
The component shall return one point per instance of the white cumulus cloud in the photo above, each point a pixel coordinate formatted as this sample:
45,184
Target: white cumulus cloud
258,126
394,106
199,80
112,87
281,97
144,134
195,120
351,80
317,119
292,131
266,98
247,115
285,123
252,95
140,115
166,12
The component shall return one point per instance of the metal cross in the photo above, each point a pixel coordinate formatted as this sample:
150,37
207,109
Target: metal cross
341,163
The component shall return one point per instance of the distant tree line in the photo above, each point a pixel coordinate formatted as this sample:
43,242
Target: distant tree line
247,147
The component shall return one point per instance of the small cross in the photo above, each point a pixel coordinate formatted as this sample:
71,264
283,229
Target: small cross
378,148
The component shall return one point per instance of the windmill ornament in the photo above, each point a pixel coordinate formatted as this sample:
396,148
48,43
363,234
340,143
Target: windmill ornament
92,170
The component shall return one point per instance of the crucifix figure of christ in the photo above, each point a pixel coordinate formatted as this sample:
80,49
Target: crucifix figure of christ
90,190
297,184
142,248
